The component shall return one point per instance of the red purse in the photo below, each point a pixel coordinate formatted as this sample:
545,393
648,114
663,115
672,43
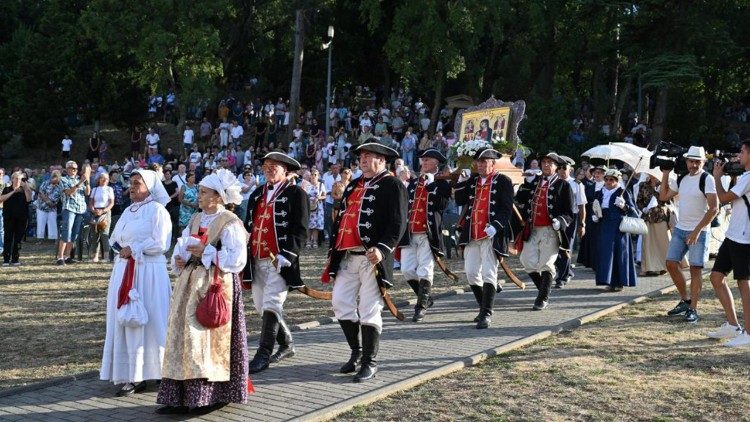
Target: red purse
212,310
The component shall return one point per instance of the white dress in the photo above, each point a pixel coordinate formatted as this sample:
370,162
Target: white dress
135,354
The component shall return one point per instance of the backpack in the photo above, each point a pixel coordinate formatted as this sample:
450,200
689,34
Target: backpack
702,186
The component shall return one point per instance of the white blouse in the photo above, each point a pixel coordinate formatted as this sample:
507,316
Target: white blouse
233,254
102,195
146,228
606,195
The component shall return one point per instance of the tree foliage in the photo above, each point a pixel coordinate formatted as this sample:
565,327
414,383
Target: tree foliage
101,59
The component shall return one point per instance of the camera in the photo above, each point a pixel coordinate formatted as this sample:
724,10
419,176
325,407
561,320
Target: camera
732,165
669,156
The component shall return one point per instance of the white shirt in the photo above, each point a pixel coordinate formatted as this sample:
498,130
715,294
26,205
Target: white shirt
578,193
152,139
187,136
102,195
66,143
233,253
328,181
356,173
180,179
248,157
195,157
739,223
270,192
691,202
237,132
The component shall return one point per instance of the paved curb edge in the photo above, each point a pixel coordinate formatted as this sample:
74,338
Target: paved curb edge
330,412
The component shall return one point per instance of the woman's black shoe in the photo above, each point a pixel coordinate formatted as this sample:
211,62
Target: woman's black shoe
130,388
172,410
204,410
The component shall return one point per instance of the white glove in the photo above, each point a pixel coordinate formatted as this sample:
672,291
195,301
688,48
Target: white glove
597,208
594,218
620,202
490,231
556,224
428,178
282,262
465,175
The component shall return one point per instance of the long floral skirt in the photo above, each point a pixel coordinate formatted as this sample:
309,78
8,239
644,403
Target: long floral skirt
199,392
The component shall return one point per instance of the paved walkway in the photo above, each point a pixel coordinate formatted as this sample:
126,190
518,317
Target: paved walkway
309,387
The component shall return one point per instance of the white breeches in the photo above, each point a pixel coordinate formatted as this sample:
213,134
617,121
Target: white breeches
540,251
416,259
480,262
269,289
356,277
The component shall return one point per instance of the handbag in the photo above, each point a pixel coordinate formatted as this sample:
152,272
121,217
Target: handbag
131,312
212,310
633,225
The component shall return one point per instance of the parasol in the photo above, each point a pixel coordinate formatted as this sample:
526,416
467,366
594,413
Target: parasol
636,157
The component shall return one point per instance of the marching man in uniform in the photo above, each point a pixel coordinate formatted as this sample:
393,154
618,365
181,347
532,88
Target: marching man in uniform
365,234
423,239
277,218
546,204
488,198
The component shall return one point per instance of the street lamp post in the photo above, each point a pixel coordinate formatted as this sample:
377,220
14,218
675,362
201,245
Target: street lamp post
329,46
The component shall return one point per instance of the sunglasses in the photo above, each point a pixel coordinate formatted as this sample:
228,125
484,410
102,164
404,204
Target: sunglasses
72,168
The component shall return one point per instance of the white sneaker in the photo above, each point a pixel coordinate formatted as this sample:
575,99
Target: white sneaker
726,331
739,341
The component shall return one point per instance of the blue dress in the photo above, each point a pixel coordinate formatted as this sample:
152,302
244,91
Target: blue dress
614,265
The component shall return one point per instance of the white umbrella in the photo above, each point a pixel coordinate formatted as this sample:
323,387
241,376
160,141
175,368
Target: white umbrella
636,157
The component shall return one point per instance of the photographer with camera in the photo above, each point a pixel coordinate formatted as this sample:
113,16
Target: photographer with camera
697,206
15,198
734,253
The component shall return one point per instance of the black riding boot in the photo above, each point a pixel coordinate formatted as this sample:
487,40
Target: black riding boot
488,301
545,287
424,300
285,341
351,331
477,290
265,347
414,284
370,346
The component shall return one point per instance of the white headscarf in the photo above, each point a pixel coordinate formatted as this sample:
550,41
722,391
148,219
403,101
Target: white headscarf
225,184
154,185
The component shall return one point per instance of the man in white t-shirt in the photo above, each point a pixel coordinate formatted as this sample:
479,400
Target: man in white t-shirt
152,139
734,254
237,132
697,205
66,144
181,176
577,226
187,138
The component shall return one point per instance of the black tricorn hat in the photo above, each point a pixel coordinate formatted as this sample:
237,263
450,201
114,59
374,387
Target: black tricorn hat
487,153
373,145
556,158
433,153
277,155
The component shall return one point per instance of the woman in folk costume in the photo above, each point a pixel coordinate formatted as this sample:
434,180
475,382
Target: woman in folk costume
615,266
142,236
656,214
206,368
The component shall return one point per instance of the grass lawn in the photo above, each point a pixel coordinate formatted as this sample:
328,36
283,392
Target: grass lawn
636,364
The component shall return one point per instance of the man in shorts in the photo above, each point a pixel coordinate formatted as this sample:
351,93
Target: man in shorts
734,254
697,205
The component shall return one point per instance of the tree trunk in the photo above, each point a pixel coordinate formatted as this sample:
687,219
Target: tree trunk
622,98
299,39
437,106
660,116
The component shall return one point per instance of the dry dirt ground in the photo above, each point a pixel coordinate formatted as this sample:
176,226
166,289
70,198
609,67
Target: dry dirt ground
52,319
636,364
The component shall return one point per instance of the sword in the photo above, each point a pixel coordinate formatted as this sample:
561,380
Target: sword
315,294
387,297
509,272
